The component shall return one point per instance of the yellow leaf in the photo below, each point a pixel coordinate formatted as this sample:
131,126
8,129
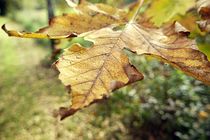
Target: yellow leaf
189,21
203,115
171,45
93,73
162,11
86,17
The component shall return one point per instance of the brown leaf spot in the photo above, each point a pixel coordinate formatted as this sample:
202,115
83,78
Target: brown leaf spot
205,12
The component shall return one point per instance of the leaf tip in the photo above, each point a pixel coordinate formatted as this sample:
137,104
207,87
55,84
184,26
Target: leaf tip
133,74
3,27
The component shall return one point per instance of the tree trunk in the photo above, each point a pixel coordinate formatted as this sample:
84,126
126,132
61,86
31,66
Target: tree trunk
3,7
54,50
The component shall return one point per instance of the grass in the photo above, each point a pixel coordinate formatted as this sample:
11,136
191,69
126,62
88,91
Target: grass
30,93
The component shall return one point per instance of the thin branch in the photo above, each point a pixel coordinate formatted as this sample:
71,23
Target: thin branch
140,3
81,1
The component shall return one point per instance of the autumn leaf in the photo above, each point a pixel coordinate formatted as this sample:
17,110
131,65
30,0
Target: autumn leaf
189,21
82,71
171,45
162,11
91,74
86,17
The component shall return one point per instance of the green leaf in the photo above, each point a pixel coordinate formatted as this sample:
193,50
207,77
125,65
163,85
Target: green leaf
204,44
162,11
80,40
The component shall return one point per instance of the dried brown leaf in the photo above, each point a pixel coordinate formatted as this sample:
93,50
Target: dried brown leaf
93,73
86,17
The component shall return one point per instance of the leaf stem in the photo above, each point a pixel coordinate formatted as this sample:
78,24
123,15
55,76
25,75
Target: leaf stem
81,1
140,3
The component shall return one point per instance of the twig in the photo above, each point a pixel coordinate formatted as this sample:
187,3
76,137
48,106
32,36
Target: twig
140,3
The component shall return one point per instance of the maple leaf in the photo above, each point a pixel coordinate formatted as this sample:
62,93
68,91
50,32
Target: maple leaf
86,17
83,69
171,47
92,74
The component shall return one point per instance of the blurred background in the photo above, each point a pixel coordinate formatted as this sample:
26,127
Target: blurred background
166,105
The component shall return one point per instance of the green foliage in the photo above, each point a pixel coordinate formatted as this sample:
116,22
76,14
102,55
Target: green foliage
203,43
163,11
81,41
161,109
